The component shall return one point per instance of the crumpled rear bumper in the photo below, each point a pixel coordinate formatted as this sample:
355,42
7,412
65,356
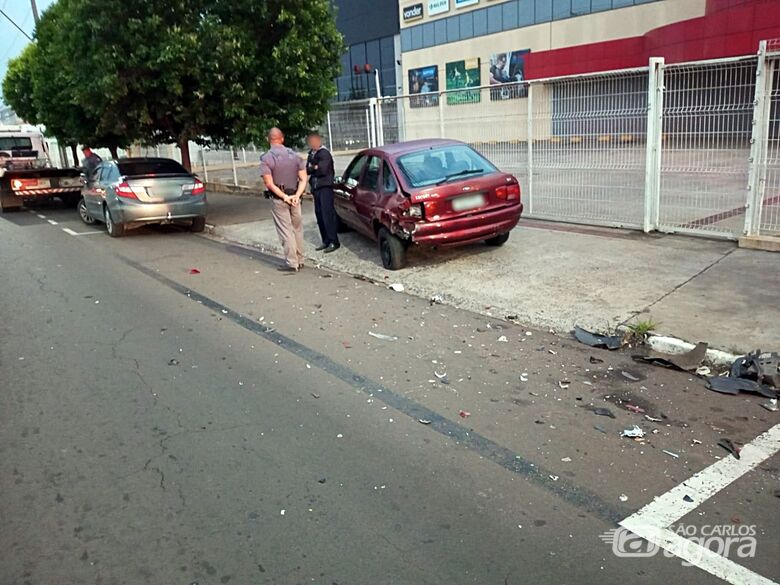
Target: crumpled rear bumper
466,230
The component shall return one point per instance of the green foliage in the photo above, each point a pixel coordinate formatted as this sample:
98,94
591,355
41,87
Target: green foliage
19,83
225,71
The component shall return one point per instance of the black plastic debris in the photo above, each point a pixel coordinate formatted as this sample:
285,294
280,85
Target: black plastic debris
597,340
687,362
728,445
758,366
173,362
734,386
687,498
603,412
595,360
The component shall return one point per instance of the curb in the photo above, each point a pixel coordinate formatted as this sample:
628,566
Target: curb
666,344
661,343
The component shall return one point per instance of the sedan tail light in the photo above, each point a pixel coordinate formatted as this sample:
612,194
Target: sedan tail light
501,192
410,210
513,192
196,188
124,190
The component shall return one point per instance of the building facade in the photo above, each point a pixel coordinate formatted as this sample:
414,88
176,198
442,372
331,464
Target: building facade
448,43
371,33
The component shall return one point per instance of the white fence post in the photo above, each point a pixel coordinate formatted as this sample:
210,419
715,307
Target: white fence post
205,167
233,156
758,144
373,130
330,134
655,107
368,126
530,138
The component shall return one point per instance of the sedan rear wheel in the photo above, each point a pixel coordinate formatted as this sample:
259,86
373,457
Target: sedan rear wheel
392,250
115,230
84,213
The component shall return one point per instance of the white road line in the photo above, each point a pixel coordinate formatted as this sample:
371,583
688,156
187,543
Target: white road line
696,554
41,216
52,222
653,521
70,232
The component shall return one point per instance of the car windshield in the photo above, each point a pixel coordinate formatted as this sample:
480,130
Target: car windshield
438,165
140,168
15,143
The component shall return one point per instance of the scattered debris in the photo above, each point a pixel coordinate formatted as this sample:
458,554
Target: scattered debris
563,384
436,300
503,339
764,368
599,429
675,455
596,340
464,414
595,360
173,362
315,395
771,405
734,386
566,459
283,512
601,411
729,446
397,287
635,409
623,498
512,317
383,337
423,421
687,498
552,352
687,362
630,376
322,480
528,333
194,271
703,371
633,433
654,419
554,477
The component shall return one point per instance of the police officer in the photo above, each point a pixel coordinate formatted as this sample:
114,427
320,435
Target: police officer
284,175
321,175
90,162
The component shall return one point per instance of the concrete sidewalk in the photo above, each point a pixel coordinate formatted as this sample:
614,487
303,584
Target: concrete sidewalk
558,275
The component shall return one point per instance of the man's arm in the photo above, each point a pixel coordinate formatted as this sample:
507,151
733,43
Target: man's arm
324,164
271,186
302,180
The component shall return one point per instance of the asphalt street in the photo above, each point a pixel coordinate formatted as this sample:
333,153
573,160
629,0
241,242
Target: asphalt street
173,410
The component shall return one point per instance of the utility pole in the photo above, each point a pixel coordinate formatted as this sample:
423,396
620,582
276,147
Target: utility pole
34,11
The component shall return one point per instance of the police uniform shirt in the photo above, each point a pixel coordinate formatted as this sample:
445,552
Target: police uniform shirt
283,165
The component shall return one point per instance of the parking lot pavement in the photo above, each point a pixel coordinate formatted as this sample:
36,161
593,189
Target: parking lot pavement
555,275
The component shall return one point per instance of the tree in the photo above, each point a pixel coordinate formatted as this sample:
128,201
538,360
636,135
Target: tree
207,70
18,85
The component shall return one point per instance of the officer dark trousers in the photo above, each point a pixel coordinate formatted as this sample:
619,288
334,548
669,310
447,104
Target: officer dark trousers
325,211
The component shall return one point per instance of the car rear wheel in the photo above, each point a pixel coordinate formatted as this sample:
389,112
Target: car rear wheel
198,224
498,241
392,250
115,230
84,213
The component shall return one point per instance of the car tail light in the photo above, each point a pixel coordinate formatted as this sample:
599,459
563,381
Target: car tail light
409,210
22,184
513,192
501,192
196,188
124,190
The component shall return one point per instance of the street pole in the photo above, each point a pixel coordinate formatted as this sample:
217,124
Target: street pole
35,11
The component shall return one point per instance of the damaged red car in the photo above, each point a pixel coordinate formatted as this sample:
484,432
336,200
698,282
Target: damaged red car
426,193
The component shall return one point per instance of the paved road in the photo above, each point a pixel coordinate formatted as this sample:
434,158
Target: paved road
239,426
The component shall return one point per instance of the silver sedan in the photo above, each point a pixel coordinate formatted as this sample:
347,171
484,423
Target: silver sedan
131,192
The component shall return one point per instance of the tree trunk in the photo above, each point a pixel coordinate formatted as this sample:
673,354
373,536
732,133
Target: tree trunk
184,147
114,152
75,154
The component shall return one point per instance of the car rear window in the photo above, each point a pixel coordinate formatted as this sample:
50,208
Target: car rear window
15,143
138,168
434,165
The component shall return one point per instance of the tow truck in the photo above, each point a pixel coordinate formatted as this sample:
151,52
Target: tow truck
26,172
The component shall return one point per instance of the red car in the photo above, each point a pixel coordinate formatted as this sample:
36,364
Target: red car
429,193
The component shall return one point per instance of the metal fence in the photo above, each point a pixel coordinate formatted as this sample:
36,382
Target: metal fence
690,148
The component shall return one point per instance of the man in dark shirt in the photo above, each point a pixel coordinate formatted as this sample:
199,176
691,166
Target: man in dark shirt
90,162
321,174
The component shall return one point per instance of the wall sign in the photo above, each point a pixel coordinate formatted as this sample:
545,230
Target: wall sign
438,7
413,12
462,3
